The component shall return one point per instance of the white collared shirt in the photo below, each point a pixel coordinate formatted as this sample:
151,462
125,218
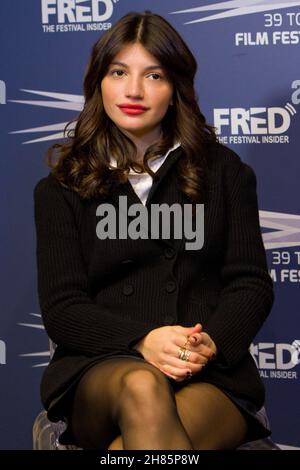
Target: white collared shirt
142,182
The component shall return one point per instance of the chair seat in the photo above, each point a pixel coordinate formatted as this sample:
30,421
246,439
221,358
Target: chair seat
46,437
46,434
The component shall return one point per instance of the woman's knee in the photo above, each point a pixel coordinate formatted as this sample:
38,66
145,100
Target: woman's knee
143,383
144,393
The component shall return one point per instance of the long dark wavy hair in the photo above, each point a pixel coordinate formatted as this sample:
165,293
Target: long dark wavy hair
81,163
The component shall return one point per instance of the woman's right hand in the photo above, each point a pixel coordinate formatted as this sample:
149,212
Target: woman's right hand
161,346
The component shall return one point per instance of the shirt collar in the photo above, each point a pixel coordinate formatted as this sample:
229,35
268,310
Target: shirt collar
153,164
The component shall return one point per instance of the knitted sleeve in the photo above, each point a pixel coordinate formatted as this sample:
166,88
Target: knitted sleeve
247,294
71,318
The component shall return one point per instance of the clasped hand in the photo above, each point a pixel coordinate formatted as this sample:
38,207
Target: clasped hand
161,348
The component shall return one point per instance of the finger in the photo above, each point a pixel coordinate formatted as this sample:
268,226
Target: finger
166,367
167,373
199,355
177,379
205,350
192,356
176,372
174,377
203,360
194,339
172,355
183,365
194,348
206,339
197,359
184,341
190,330
207,342
195,329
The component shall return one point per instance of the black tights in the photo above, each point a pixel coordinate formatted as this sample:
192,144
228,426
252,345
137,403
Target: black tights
132,398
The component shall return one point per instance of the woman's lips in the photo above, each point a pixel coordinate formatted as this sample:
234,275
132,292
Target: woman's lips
132,111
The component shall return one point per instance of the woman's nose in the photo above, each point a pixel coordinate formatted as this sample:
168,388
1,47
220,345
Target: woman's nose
134,87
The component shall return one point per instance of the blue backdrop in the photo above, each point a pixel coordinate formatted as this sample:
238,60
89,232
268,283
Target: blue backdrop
248,86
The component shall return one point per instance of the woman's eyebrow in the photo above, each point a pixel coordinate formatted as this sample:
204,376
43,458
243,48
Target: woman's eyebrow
150,67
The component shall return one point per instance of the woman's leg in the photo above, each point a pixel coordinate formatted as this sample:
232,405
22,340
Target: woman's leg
209,417
116,444
128,397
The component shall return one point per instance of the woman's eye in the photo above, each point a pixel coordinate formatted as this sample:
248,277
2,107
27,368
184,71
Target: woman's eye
116,71
156,75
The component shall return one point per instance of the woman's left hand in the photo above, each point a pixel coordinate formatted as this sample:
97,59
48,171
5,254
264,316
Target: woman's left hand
202,344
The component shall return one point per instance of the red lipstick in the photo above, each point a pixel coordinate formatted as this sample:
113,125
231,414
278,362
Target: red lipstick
130,108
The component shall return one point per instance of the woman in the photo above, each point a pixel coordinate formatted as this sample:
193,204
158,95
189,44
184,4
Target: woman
152,338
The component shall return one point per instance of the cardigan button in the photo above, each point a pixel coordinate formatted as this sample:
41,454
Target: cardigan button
127,261
128,289
170,286
169,253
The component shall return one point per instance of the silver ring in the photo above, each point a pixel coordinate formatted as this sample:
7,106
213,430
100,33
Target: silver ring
184,354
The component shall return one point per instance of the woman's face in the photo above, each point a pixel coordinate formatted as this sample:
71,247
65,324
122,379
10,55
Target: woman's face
138,79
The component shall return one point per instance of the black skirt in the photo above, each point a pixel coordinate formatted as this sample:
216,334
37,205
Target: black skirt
61,407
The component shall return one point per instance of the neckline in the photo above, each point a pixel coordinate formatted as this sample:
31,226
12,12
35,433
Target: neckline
155,165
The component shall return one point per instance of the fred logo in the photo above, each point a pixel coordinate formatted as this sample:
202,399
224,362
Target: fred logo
72,11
